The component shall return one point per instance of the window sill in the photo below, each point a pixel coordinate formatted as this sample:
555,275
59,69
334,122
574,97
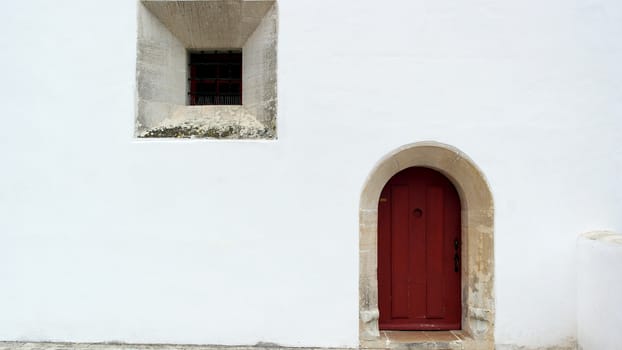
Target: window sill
210,122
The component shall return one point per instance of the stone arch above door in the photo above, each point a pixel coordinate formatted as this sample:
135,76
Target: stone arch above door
477,215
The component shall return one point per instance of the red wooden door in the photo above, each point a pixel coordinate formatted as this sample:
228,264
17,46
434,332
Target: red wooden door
419,252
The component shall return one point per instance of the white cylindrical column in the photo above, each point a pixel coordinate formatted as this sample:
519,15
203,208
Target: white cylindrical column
599,291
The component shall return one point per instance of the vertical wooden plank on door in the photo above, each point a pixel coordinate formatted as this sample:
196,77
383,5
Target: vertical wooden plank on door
418,250
435,298
384,259
399,251
452,236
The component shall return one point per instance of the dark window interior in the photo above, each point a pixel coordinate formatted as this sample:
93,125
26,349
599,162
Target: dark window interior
215,78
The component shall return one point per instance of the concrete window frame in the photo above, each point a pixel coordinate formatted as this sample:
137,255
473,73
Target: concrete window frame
477,214
168,30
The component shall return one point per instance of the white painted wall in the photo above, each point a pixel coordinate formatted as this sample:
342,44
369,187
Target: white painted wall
599,287
104,238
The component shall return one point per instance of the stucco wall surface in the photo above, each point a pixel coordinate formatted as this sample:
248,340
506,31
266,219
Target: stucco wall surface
599,287
108,238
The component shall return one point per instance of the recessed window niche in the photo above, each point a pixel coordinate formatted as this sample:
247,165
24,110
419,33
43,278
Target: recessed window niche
215,78
206,69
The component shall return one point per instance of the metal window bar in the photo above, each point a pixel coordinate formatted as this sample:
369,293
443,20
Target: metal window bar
229,100
219,85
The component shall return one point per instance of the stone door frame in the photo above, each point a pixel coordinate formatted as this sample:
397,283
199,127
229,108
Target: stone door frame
477,215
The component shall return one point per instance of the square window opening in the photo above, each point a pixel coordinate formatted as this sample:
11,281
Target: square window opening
215,77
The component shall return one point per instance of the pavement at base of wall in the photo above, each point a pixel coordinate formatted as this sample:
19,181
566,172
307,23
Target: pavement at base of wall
122,346
570,345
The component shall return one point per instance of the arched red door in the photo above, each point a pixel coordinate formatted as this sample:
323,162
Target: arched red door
419,252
